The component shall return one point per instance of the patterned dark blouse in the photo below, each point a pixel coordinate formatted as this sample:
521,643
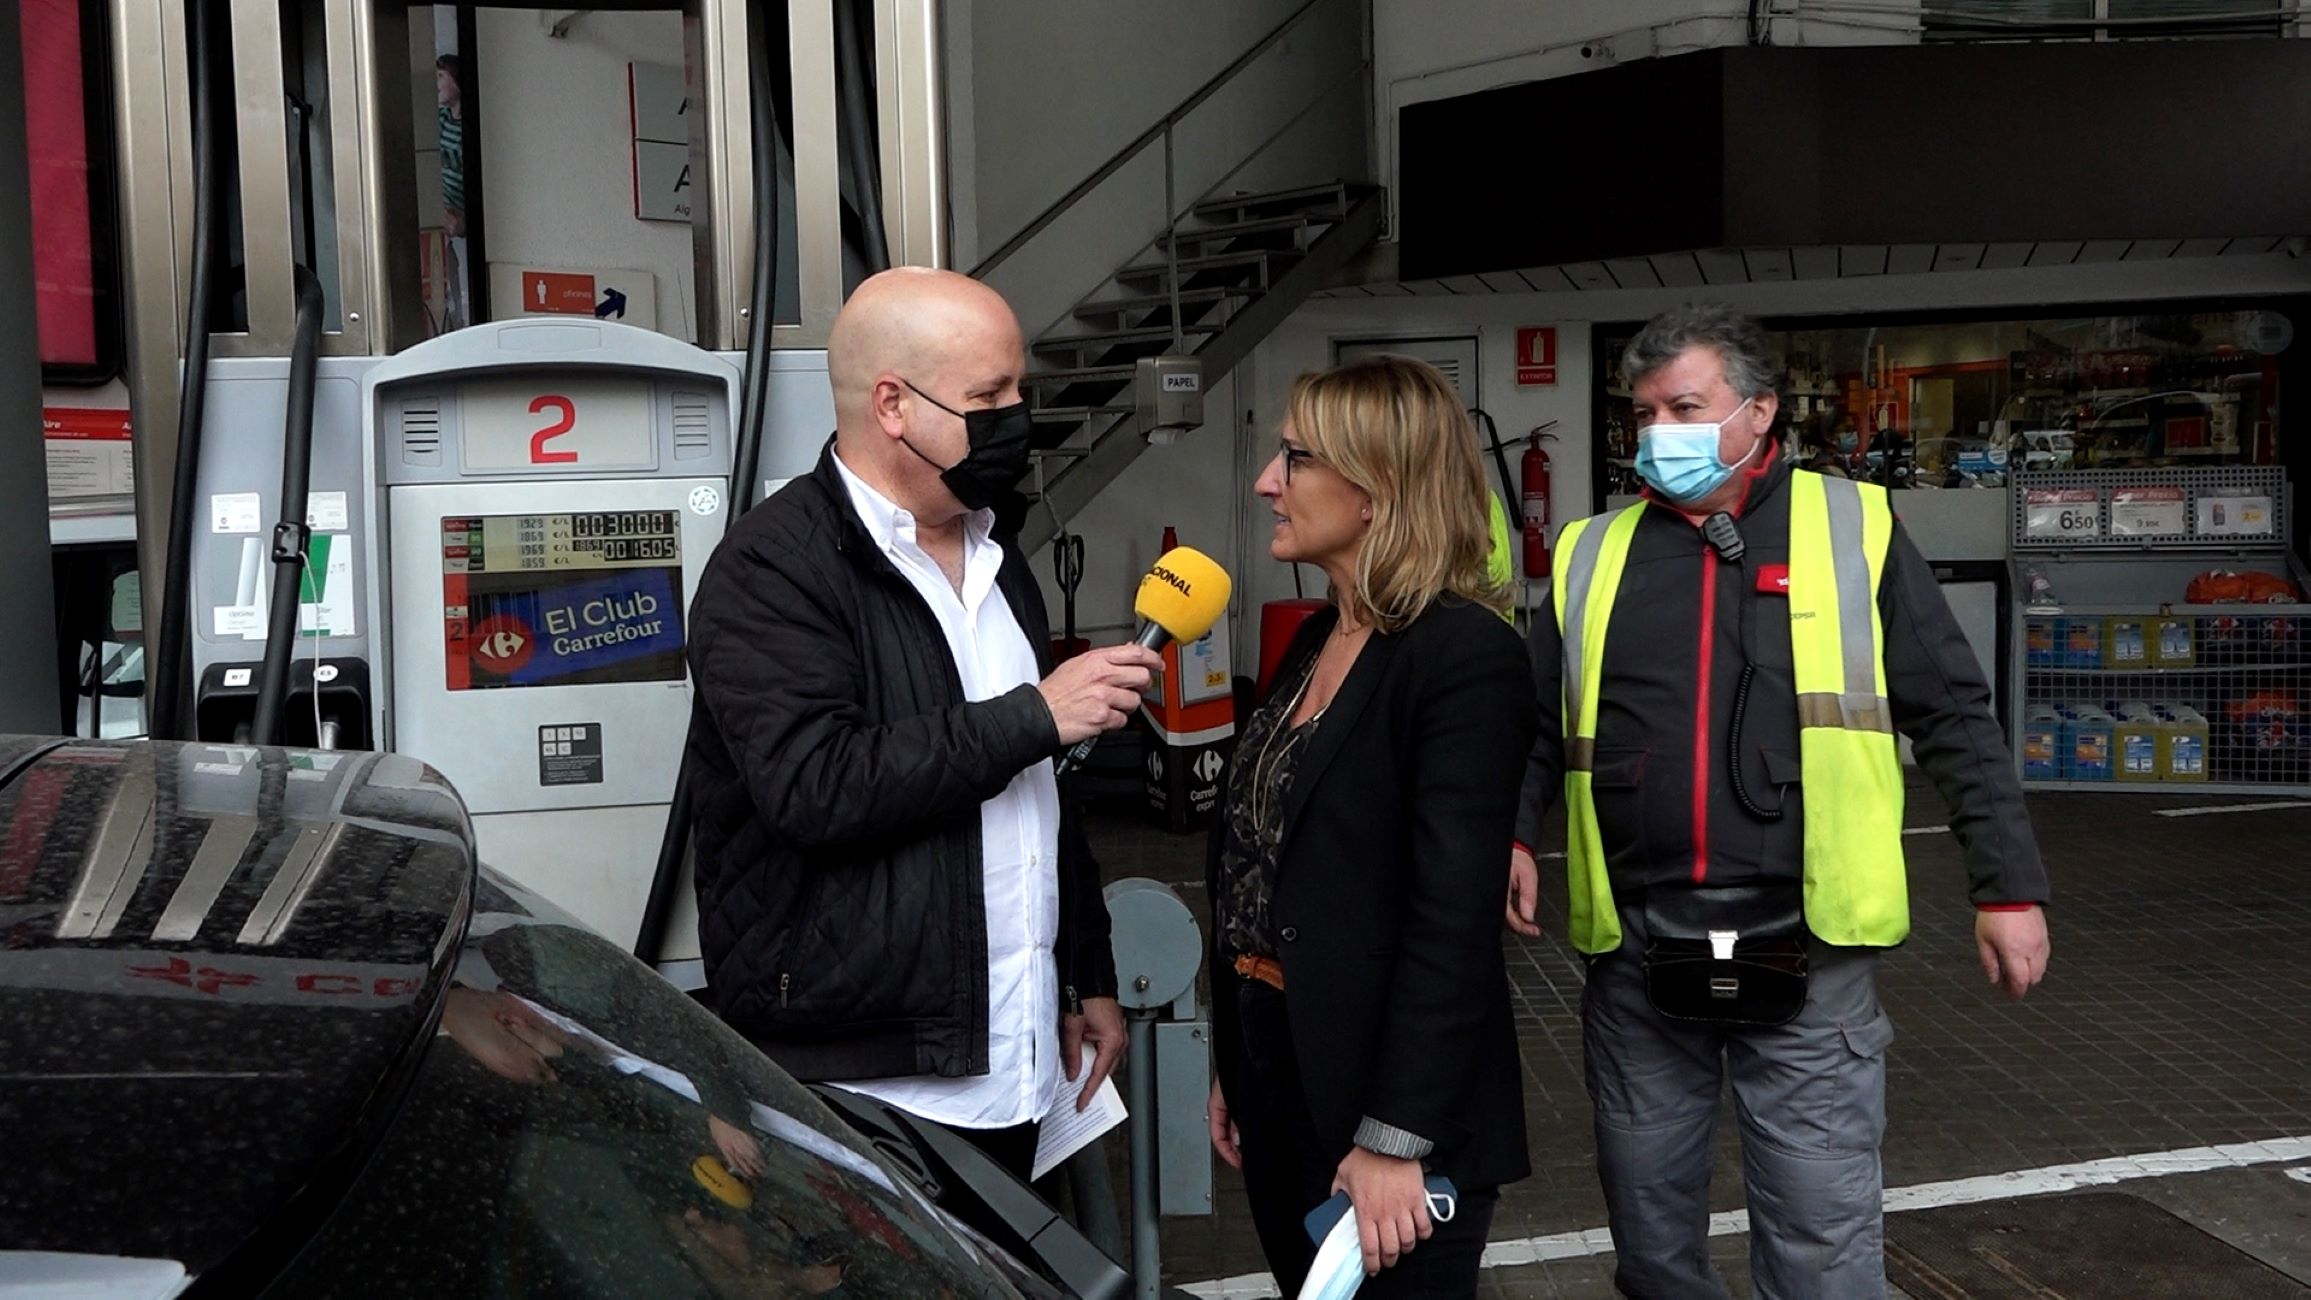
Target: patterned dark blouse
1269,752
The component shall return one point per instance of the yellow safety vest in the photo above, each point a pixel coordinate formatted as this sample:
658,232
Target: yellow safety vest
1856,884
1501,560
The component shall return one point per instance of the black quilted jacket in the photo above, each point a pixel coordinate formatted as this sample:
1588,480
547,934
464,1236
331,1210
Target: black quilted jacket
838,774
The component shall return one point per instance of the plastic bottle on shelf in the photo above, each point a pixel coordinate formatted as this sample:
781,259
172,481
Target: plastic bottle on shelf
2042,744
2182,742
2135,741
2088,734
2041,591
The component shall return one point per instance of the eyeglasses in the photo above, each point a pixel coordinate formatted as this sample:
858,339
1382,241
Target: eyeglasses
1295,456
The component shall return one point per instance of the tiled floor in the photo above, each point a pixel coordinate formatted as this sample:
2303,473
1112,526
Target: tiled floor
2178,1014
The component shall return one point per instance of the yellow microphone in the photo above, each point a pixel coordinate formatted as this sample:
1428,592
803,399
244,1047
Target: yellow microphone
1179,600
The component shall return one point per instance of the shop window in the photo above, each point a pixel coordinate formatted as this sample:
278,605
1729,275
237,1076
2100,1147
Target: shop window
2097,20
1956,405
2196,18
2007,20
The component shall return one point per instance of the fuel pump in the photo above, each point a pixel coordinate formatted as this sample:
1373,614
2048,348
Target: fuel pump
543,497
476,550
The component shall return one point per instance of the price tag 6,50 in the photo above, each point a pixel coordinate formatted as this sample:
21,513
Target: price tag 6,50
2063,514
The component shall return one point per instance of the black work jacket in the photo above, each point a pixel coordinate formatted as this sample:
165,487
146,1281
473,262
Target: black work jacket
1688,629
838,773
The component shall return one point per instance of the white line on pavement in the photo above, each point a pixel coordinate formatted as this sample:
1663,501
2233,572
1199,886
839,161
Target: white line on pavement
1957,1191
2218,809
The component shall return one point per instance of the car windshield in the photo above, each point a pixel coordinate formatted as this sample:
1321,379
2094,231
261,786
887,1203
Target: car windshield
580,1128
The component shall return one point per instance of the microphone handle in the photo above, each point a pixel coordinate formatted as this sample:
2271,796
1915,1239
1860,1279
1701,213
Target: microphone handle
1152,636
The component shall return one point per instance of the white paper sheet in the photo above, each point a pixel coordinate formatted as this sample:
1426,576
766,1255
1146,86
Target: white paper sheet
1065,1132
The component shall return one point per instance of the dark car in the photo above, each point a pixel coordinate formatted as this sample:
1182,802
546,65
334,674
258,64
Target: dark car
266,1030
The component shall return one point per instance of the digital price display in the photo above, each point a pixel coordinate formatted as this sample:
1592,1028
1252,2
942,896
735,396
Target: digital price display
562,599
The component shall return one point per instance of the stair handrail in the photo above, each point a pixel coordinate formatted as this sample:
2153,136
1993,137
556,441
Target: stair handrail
1160,131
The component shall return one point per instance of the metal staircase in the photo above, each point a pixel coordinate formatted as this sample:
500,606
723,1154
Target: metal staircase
1243,263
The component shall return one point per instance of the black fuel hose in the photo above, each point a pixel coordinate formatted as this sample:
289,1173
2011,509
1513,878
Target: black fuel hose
170,668
290,533
746,456
754,385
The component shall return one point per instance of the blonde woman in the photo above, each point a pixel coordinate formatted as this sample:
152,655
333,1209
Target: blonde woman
1361,1007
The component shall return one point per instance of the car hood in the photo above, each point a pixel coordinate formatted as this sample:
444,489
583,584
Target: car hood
218,967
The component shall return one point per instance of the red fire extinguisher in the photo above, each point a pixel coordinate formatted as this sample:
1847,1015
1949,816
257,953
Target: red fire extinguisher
1536,472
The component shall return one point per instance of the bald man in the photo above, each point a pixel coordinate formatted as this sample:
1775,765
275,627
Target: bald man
892,894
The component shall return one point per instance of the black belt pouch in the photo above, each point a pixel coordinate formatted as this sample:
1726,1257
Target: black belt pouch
1727,954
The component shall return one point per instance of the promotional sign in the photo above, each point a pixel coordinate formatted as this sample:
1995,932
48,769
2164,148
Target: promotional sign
2067,513
1192,712
562,599
2245,515
89,452
2148,512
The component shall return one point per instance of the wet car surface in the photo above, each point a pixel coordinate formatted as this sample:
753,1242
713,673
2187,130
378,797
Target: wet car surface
264,1024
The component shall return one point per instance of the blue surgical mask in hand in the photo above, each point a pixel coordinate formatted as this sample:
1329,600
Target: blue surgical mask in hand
1680,461
1339,1266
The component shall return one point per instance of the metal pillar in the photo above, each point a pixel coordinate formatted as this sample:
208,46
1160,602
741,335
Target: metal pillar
1157,951
1146,1262
28,698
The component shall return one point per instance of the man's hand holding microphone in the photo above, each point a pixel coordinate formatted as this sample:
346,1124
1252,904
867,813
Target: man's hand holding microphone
1095,692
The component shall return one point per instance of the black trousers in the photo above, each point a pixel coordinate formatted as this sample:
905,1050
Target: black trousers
1013,1148
1288,1170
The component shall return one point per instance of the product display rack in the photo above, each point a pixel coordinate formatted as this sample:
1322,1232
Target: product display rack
2125,684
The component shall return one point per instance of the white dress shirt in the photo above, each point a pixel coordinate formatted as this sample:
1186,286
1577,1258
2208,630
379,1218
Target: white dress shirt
1019,831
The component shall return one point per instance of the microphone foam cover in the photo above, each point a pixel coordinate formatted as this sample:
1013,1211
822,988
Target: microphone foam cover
1184,594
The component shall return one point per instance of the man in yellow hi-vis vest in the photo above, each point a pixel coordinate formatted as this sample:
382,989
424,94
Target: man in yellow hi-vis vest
1722,682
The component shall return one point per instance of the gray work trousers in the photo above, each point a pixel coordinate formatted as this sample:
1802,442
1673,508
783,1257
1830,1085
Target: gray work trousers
1811,1096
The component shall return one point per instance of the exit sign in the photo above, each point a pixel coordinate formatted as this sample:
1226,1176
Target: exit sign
604,293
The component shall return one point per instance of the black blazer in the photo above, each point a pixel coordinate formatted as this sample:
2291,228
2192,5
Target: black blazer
1388,893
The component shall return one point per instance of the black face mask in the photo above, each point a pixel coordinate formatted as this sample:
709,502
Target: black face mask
998,457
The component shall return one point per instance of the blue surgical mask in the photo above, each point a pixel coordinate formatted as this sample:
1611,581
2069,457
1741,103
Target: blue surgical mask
1680,461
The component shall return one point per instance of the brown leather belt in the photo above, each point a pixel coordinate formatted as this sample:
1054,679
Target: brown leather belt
1267,970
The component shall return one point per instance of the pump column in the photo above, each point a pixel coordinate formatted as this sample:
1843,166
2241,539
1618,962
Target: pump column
28,691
